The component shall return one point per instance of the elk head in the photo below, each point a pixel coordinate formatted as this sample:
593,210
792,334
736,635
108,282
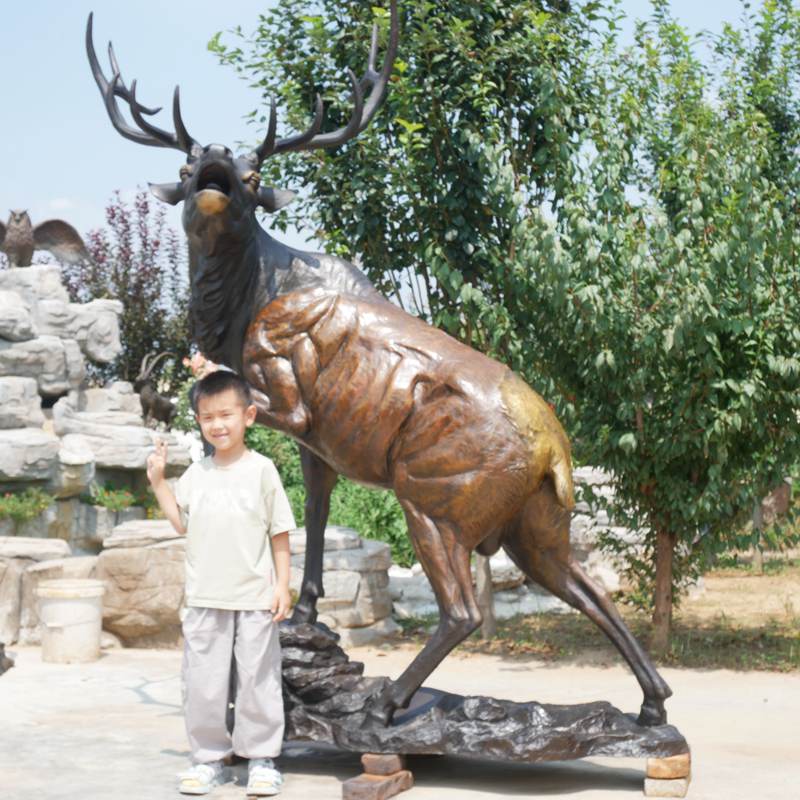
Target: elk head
220,190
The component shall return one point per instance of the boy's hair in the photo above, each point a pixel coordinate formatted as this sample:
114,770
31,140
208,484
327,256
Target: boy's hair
218,382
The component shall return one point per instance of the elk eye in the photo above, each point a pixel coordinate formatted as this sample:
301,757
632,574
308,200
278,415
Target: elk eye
185,172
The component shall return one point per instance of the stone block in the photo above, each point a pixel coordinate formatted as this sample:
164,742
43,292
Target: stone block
669,767
370,635
94,325
20,404
75,471
117,396
370,604
654,787
41,526
382,763
11,571
118,440
144,592
377,787
341,589
337,537
34,283
369,557
141,533
591,476
56,364
16,320
33,549
27,454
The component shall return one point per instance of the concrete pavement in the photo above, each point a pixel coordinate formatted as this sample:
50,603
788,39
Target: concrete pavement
113,729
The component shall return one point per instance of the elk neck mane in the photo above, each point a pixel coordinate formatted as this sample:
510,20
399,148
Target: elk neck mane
223,291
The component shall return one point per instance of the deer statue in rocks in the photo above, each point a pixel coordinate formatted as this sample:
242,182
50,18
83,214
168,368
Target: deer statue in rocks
477,460
155,406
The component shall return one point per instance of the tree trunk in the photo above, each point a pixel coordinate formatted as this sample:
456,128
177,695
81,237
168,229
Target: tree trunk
485,596
758,526
662,615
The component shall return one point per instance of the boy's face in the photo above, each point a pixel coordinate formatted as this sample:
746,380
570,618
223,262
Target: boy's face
223,419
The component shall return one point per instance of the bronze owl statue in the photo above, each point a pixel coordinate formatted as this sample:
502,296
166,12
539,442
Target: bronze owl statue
19,238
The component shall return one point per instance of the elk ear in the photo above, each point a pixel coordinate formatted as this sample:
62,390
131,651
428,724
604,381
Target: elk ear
274,199
171,193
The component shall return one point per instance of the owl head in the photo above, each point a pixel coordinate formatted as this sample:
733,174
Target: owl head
19,217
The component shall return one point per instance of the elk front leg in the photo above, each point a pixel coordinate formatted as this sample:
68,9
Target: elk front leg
319,480
277,396
446,563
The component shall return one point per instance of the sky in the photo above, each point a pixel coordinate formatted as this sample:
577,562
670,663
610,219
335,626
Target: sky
60,155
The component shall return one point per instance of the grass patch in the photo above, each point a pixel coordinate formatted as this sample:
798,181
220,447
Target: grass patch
720,644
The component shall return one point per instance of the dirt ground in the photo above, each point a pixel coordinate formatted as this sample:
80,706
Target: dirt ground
745,598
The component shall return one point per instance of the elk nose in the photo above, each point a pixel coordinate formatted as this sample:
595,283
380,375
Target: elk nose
218,150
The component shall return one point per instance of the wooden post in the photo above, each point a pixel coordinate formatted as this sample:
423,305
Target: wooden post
485,596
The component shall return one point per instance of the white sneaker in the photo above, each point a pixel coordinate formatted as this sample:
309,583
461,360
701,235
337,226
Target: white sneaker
201,778
262,777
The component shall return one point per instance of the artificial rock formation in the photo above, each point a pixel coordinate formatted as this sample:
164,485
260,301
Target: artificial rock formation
142,566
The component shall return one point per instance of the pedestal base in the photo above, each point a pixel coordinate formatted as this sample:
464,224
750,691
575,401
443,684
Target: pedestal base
327,699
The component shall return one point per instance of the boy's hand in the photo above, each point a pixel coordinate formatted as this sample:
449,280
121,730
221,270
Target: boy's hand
157,463
281,603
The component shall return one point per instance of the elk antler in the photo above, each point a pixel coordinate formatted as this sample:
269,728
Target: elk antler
148,133
362,113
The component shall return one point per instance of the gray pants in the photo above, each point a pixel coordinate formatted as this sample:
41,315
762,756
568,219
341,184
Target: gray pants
211,637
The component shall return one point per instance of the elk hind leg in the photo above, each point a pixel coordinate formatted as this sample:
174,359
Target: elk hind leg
539,545
447,564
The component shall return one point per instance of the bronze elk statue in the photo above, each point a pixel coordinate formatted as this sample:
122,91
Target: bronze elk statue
477,460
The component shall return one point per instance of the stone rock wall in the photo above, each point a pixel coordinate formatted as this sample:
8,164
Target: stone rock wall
18,554
142,565
357,603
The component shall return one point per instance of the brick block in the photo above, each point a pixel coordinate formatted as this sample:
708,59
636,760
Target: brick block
655,787
377,787
670,767
382,764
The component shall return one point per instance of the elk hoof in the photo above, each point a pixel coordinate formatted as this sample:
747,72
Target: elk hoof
304,612
652,713
380,709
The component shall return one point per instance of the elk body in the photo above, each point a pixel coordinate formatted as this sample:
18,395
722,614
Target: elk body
477,459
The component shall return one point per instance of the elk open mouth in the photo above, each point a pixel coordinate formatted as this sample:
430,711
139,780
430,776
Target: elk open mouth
214,176
213,189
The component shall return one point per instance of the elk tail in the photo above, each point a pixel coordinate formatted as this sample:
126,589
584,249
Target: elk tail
561,473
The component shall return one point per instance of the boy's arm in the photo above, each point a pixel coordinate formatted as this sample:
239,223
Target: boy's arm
156,464
281,599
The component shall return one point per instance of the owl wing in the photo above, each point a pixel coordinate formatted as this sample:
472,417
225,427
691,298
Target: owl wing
2,233
61,239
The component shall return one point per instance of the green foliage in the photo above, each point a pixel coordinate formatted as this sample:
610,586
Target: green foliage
139,260
617,224
25,505
415,197
113,499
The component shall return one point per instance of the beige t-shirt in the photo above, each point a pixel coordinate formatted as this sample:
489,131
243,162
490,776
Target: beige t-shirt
232,512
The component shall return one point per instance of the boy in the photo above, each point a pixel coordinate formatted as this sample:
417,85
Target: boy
231,506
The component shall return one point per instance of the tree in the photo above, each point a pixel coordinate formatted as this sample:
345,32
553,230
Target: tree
411,199
139,260
613,223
